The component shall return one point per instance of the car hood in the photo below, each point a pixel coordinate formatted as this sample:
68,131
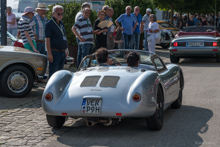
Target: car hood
14,49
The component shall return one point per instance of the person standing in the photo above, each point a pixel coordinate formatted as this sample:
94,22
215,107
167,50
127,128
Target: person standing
26,30
38,22
176,22
190,22
127,27
101,35
110,39
86,35
153,28
56,41
106,8
144,27
80,14
136,34
11,22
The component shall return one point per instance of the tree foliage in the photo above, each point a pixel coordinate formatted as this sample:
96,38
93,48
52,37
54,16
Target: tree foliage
70,11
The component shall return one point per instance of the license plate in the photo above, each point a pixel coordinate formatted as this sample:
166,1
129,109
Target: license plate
92,106
195,43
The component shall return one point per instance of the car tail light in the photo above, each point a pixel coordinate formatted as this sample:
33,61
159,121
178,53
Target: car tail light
64,114
136,97
174,50
49,96
214,44
175,44
215,49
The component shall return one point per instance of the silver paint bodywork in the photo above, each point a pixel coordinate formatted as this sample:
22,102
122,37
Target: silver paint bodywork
10,55
145,80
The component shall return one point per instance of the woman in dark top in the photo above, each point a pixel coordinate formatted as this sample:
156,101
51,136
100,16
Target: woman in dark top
204,22
190,22
101,35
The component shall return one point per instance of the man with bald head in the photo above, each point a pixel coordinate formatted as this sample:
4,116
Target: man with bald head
136,34
127,21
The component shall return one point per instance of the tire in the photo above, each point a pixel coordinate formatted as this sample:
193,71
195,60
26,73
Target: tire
165,45
155,122
174,59
178,102
55,121
16,81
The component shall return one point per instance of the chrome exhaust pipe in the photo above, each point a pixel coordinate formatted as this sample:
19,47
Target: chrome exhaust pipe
90,123
108,123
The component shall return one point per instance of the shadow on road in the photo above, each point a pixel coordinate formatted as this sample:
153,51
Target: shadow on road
199,62
181,128
32,100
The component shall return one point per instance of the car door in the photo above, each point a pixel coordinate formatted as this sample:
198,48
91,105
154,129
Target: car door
168,79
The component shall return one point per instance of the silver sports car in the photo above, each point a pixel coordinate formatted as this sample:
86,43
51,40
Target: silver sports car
195,41
107,94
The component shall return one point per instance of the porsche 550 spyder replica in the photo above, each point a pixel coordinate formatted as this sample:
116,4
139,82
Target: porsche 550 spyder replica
107,94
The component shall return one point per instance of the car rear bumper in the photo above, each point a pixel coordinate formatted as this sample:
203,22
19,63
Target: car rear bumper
197,52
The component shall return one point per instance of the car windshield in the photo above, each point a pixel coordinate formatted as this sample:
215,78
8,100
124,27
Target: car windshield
199,29
166,25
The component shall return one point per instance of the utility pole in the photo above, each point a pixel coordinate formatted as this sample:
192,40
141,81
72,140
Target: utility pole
3,23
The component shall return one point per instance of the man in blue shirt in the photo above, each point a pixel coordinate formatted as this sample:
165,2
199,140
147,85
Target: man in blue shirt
127,28
136,34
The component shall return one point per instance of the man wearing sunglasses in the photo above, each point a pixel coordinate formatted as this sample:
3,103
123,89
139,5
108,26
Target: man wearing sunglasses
56,41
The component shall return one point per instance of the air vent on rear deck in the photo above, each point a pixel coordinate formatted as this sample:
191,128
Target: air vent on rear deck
109,81
90,81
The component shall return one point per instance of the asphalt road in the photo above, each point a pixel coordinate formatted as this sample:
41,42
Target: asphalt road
195,124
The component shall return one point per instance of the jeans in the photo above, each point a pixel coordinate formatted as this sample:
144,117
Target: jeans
136,39
127,41
145,41
58,62
41,47
13,31
83,50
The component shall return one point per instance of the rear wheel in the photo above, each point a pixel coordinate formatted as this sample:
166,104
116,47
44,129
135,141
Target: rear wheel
155,122
55,121
165,45
174,59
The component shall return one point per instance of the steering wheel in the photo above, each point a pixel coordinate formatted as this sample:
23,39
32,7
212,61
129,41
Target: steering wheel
115,62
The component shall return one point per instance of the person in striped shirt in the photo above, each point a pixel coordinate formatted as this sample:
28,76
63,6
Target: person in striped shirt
86,35
26,30
38,22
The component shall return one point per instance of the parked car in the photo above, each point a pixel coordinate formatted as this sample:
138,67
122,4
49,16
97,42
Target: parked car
19,68
167,32
195,41
10,39
107,94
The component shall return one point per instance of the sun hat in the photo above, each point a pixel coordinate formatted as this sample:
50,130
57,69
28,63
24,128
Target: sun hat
41,6
149,10
28,10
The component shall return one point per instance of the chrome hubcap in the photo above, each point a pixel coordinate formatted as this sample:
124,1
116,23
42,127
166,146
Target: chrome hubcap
17,81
